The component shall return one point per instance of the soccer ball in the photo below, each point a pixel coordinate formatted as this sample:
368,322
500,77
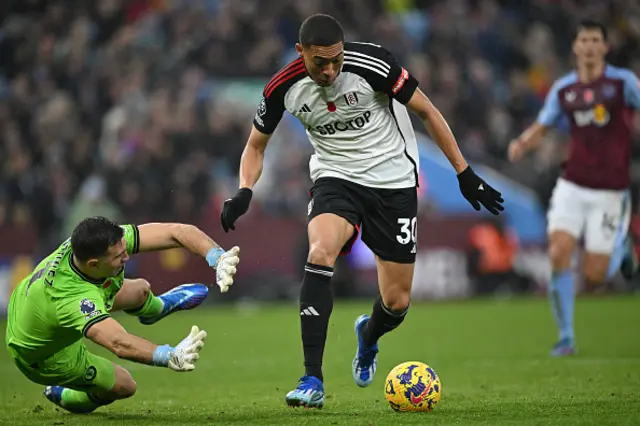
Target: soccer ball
412,386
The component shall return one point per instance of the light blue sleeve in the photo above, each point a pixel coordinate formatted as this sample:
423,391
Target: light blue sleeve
551,110
631,89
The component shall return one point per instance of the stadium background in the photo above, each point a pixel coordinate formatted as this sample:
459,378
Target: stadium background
139,111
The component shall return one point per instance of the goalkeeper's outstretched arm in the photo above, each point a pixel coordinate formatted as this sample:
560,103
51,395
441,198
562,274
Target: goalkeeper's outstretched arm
111,335
164,236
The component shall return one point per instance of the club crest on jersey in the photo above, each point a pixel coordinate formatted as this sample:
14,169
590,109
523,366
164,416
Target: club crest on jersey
351,99
608,91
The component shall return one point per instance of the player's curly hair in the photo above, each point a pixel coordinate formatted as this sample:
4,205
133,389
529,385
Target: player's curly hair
93,236
320,30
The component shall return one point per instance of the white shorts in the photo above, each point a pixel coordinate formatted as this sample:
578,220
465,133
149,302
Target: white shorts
601,216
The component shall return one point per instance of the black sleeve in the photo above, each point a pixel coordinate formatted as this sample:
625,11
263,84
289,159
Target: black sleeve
269,112
378,66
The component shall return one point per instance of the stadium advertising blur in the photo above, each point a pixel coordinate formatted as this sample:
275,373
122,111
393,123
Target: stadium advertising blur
449,263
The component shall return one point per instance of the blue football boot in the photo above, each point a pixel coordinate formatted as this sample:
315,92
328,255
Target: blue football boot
365,362
54,394
308,394
181,298
565,347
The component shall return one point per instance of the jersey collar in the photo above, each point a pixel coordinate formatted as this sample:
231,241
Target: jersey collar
81,274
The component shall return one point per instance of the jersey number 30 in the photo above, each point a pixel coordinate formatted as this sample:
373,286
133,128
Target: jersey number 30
408,230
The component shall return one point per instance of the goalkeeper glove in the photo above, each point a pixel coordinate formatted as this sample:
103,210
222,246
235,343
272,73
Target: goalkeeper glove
235,207
477,191
184,356
224,262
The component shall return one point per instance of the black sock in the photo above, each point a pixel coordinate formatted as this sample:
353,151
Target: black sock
382,321
316,304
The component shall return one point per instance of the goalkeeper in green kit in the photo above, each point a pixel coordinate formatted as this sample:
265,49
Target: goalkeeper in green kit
71,294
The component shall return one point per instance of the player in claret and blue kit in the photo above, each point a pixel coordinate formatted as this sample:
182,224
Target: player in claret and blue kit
591,198
352,98
72,293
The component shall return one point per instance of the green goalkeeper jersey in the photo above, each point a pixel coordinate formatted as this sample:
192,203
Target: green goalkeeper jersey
56,304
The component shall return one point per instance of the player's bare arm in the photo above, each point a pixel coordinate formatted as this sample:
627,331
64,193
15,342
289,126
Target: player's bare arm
438,129
112,336
252,158
164,236
529,140
250,170
473,188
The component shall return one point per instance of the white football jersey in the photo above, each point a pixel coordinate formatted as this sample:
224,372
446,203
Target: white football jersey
359,128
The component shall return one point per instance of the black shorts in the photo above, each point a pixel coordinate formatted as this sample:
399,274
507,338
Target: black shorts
386,217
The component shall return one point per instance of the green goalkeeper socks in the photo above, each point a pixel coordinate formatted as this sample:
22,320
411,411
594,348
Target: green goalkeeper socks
152,306
77,401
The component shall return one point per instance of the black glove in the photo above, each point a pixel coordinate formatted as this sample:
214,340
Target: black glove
477,192
235,207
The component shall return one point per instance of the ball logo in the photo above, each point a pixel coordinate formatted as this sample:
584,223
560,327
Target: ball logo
416,390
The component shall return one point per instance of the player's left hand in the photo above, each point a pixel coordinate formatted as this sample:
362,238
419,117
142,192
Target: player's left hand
477,192
235,207
187,352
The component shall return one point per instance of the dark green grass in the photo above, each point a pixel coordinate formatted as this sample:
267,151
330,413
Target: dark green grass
491,356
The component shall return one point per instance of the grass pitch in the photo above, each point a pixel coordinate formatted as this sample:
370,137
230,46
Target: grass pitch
491,356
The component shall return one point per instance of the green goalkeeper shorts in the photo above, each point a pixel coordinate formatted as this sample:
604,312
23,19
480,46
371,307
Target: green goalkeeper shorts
73,367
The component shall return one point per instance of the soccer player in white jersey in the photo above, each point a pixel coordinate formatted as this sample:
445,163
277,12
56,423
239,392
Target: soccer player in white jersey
351,97
591,198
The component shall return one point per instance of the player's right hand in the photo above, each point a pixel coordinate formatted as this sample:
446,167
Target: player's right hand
235,207
226,268
517,150
187,352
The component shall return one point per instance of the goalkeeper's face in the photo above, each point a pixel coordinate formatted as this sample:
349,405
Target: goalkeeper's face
113,261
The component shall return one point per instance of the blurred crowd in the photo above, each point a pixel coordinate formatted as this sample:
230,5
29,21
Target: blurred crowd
117,107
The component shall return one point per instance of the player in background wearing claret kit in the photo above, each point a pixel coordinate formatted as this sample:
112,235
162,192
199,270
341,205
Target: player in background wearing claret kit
351,98
591,198
71,294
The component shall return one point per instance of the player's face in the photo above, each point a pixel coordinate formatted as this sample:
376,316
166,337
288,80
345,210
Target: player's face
112,263
323,63
590,47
